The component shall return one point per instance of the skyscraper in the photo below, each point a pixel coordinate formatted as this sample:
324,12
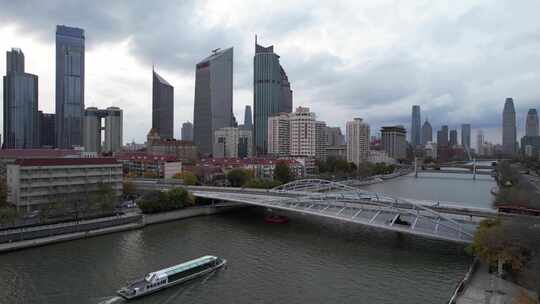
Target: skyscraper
357,141
47,136
248,122
213,98
303,140
453,138
114,130
21,118
162,106
69,86
187,131
466,136
272,93
279,134
394,141
442,136
415,126
334,136
509,136
427,133
479,142
531,124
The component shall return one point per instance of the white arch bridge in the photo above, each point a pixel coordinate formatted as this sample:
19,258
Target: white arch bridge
341,202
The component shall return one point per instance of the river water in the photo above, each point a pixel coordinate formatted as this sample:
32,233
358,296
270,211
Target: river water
308,260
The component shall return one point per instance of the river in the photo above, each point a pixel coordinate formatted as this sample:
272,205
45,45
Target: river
308,260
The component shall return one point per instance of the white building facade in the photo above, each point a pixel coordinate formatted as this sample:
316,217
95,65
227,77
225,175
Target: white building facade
358,134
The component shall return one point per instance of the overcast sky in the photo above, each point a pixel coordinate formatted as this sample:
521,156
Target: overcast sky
458,60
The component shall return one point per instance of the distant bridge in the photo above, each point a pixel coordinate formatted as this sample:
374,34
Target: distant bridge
450,171
341,202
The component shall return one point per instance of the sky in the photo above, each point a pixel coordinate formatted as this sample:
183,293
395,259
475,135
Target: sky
372,59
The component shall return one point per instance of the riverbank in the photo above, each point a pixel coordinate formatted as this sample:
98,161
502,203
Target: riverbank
97,227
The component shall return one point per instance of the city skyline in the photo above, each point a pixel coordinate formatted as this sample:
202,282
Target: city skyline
105,87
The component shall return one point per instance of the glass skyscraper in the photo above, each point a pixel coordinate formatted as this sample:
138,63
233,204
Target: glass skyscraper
466,135
69,86
21,117
213,98
162,106
272,93
415,126
509,136
248,122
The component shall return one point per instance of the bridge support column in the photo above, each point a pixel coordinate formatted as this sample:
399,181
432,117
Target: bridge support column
474,169
415,167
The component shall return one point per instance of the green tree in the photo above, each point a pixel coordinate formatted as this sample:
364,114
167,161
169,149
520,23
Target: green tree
341,166
238,177
262,183
188,177
8,215
282,172
3,192
128,188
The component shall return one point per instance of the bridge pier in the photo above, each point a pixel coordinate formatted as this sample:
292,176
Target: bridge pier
474,169
415,167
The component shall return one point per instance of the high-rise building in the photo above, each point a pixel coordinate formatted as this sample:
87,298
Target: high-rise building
279,134
415,126
479,142
303,139
21,118
248,122
394,141
453,138
442,136
187,131
466,136
272,93
321,140
162,106
357,141
47,136
213,98
427,133
113,130
531,124
245,143
509,135
93,126
69,86
334,137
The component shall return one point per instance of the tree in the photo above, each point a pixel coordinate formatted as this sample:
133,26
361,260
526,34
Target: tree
282,172
128,188
150,174
238,177
262,183
3,192
188,177
8,215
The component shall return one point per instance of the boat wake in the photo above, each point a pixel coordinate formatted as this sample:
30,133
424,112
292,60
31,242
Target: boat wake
111,300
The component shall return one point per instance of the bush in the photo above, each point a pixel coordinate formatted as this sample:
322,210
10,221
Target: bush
238,177
161,201
188,177
282,172
262,183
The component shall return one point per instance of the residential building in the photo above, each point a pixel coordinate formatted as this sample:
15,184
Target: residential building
183,150
70,52
530,145
442,136
394,141
279,135
272,93
321,140
142,163
357,141
380,157
232,142
213,107
162,106
427,133
416,139
21,118
261,167
531,124
187,131
479,141
303,141
430,150
114,130
38,181
336,152
466,136
334,136
47,134
453,138
509,135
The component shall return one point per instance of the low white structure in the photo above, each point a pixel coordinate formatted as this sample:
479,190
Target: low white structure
171,168
380,157
232,142
46,180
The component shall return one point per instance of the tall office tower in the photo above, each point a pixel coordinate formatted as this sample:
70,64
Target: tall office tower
479,142
531,124
187,131
357,141
47,136
248,122
415,126
427,133
245,143
334,136
21,117
271,93
279,134
466,136
69,86
162,106
509,136
394,141
321,140
453,138
92,130
213,98
442,136
302,129
113,130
